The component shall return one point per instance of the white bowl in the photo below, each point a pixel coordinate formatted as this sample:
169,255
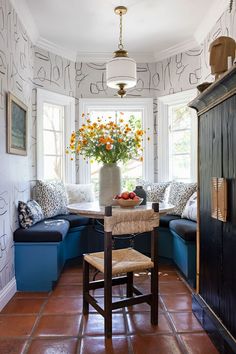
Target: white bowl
128,203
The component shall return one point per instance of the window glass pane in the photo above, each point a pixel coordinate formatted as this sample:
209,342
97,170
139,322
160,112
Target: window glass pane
130,171
52,167
181,142
134,118
52,143
181,167
103,115
52,115
180,117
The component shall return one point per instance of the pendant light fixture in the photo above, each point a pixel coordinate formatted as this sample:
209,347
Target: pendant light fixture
121,70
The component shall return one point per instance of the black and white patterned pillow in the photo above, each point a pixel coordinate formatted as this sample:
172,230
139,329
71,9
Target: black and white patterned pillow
29,213
180,193
78,193
155,191
51,196
190,210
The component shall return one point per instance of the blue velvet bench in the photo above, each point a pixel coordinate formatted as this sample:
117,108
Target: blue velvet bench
177,241
184,247
42,250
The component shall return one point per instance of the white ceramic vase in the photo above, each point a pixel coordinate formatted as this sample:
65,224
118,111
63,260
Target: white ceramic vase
109,183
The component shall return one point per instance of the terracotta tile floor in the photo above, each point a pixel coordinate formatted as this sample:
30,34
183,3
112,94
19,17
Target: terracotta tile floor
52,323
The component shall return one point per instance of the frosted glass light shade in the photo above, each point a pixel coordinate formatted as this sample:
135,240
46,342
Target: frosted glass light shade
121,70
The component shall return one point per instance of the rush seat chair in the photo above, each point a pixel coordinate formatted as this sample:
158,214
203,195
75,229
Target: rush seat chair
119,265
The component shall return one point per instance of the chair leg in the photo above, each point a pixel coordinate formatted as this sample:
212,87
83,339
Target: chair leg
154,302
108,283
85,286
129,289
108,307
154,278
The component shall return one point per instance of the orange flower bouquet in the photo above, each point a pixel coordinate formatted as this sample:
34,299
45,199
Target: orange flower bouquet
106,141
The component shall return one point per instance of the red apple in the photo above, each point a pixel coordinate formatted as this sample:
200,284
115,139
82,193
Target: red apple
136,198
132,195
125,195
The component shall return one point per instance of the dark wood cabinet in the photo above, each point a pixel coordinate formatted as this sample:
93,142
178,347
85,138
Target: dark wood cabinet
215,303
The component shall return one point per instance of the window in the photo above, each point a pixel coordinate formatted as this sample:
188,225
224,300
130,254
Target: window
55,122
140,111
177,138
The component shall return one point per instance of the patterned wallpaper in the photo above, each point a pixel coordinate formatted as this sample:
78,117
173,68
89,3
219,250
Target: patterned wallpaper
54,73
16,73
24,68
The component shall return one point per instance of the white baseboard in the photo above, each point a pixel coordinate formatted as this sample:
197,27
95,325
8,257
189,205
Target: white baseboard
7,293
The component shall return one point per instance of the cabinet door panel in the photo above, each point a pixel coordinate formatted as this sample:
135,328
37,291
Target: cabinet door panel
210,165
228,289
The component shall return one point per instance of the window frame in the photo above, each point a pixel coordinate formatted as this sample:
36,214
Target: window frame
45,96
145,105
164,103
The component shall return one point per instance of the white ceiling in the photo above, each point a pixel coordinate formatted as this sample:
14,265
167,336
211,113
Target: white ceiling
89,28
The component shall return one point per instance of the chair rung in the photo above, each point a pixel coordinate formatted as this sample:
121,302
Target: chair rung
131,301
96,284
90,299
137,291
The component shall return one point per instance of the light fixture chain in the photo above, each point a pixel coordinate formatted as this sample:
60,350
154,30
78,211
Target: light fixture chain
120,46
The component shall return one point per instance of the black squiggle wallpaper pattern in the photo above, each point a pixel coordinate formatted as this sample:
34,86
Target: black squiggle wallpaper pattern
16,74
54,72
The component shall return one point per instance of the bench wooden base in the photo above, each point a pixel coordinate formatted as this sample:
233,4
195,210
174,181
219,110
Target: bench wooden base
38,265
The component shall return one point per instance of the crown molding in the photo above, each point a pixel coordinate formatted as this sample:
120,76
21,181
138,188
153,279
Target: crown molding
26,18
176,49
91,57
56,49
210,18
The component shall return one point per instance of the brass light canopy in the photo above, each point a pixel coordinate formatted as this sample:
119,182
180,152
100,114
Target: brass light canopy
121,70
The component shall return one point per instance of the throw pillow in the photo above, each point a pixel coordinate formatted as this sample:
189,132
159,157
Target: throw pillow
79,193
29,213
190,210
180,193
155,191
51,196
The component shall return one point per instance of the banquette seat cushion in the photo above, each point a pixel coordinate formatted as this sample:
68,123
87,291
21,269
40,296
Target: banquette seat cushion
166,219
50,230
45,231
73,219
186,229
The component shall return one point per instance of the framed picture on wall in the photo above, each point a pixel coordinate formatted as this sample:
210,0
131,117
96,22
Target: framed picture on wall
16,126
